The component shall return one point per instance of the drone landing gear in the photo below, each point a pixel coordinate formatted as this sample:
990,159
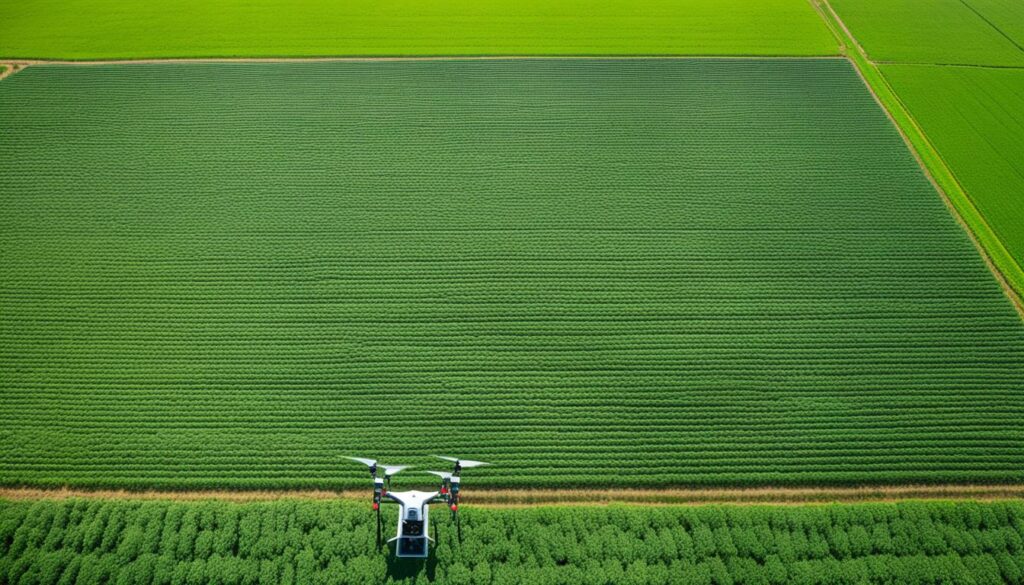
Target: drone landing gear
380,536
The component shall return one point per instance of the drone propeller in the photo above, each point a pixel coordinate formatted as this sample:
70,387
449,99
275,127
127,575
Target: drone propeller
366,462
371,463
441,474
463,463
390,470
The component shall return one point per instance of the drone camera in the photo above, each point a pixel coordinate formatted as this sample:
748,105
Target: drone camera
412,528
412,547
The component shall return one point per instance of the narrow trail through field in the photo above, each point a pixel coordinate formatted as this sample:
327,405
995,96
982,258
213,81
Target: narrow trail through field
501,498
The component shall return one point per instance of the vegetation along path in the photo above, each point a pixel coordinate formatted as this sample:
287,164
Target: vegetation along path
486,497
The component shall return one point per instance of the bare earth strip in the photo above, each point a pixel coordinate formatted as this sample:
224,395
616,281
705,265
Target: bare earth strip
579,497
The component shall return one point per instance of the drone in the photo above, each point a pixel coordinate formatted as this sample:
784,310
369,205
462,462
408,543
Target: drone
412,540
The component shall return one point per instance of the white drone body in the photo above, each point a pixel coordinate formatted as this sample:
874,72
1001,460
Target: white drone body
413,523
412,540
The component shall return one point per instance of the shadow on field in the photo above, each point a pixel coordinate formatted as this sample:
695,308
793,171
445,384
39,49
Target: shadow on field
399,569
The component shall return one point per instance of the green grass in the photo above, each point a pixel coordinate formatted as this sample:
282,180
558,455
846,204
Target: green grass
926,31
975,118
913,543
599,272
106,29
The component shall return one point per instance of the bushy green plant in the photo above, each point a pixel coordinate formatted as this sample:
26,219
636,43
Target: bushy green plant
577,545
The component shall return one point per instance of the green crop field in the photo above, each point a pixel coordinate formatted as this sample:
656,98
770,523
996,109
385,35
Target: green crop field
932,31
1005,15
975,118
105,29
88,542
590,272
657,251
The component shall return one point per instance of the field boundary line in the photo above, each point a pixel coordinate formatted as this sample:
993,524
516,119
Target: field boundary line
1000,262
953,65
400,58
501,498
993,25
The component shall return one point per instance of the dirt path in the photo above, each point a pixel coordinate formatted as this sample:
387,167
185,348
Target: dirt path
578,497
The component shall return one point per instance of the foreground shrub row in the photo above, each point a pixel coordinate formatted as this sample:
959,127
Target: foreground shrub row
307,542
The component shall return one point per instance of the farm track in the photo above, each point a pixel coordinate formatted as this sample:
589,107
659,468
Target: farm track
7,69
502,498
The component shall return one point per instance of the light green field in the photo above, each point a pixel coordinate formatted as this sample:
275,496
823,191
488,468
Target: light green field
104,29
975,118
1006,15
926,31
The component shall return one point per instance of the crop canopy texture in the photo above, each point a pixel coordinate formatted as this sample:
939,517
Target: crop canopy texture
105,29
90,542
603,272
